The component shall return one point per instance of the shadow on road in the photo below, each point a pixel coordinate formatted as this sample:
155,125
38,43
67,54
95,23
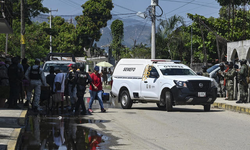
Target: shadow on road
178,109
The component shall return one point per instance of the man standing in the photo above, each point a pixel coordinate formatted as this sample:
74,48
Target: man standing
243,86
71,86
229,76
82,79
59,86
204,71
36,77
221,80
15,74
96,89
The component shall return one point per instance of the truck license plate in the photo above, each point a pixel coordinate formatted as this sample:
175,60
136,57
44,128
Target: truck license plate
201,94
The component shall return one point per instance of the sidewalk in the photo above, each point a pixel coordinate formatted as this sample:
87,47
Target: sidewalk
11,123
231,105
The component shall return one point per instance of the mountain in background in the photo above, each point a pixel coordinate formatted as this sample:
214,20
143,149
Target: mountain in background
134,30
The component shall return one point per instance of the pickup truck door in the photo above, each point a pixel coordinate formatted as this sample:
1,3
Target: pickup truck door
149,86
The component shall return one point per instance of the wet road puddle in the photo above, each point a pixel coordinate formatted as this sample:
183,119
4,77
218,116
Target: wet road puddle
60,133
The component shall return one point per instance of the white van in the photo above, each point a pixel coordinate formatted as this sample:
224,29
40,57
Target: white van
162,82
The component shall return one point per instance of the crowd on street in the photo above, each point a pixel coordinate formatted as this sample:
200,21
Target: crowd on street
21,81
230,74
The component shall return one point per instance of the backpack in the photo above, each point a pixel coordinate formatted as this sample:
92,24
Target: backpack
82,78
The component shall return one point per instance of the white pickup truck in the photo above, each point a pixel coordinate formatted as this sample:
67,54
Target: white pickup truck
55,60
162,82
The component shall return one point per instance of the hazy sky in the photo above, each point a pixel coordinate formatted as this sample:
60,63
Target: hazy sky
170,7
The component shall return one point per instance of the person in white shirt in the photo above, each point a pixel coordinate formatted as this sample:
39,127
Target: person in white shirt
36,77
59,85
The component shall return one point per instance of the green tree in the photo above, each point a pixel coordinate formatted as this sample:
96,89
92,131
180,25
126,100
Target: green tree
117,35
141,51
167,32
96,13
64,37
32,9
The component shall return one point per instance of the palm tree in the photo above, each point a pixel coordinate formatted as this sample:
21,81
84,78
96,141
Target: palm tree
168,31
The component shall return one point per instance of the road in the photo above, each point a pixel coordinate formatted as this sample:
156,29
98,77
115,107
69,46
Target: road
186,127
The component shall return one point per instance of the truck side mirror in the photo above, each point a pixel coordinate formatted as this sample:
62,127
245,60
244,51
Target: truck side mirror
154,74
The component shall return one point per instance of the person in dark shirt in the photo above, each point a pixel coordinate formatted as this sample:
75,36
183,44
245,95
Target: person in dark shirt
51,77
25,82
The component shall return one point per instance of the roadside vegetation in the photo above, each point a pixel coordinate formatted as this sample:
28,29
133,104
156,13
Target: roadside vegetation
173,37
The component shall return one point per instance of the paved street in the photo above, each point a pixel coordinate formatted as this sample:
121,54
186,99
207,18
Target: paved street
186,127
142,127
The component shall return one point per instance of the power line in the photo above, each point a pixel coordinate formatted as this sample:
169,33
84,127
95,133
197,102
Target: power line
67,3
195,8
125,8
142,29
179,7
74,2
191,3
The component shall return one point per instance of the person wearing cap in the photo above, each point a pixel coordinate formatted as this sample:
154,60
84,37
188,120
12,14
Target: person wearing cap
71,86
229,76
36,77
96,89
243,85
82,79
70,67
220,76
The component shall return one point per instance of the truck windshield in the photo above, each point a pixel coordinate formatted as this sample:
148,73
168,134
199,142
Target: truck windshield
62,67
176,71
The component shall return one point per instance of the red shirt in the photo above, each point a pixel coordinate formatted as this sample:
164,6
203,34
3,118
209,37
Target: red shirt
96,80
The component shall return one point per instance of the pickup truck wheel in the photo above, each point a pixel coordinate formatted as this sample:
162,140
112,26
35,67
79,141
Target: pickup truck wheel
168,100
125,100
207,107
161,106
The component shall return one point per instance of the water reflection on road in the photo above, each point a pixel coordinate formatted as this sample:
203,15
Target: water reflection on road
60,132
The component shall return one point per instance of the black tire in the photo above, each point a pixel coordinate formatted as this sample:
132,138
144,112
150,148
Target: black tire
125,99
207,107
168,100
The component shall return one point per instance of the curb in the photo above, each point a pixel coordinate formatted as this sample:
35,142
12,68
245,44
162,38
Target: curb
15,135
232,108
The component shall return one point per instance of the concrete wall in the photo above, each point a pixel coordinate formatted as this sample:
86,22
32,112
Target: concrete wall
239,47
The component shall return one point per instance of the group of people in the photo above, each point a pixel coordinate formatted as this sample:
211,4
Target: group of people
230,74
76,82
106,75
23,79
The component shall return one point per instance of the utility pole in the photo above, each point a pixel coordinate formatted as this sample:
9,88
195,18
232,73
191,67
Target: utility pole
22,30
204,46
153,4
50,14
191,61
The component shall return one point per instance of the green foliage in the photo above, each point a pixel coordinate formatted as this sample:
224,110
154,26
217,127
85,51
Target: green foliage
64,37
141,51
96,13
169,38
117,35
32,9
